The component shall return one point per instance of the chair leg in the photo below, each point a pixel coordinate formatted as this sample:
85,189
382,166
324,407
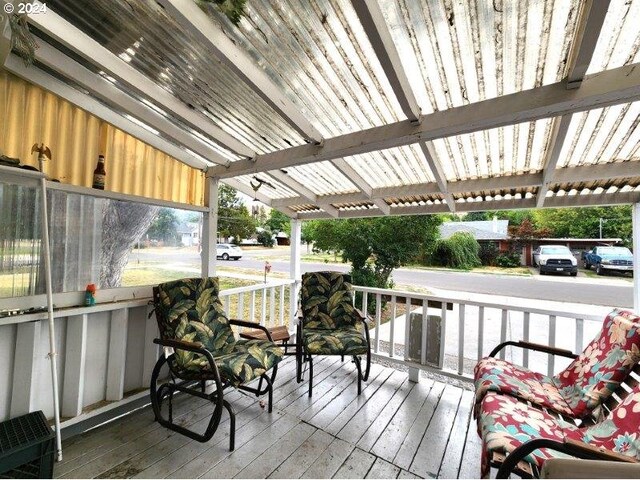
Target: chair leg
310,375
269,390
232,425
356,360
365,377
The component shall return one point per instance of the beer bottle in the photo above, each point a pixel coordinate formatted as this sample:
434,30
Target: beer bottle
99,174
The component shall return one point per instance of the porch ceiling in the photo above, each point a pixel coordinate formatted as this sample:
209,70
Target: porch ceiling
368,108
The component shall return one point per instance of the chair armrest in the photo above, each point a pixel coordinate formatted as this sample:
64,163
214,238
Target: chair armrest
580,468
535,346
366,319
256,325
584,450
181,345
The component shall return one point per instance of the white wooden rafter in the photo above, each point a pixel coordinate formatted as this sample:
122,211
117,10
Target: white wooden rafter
300,189
436,169
556,141
103,89
90,50
590,20
192,18
38,77
247,190
348,171
610,87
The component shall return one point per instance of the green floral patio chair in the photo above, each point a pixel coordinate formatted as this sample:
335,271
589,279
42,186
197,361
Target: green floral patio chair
200,347
330,324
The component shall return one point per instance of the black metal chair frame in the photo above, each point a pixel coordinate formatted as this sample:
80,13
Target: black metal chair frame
197,388
302,356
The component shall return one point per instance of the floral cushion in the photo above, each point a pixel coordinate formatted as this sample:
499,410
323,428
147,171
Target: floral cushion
327,301
584,384
341,341
247,360
493,374
505,423
596,373
190,310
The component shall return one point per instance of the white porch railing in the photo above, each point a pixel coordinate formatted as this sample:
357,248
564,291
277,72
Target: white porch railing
449,335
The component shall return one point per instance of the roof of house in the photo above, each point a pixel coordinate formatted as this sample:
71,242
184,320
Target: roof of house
481,230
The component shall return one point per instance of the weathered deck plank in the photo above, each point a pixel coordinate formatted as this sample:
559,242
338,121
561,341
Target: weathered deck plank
394,429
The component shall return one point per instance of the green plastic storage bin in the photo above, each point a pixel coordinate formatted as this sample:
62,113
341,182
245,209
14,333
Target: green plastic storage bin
27,446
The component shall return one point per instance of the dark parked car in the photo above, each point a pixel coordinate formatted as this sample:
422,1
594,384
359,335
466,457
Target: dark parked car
604,259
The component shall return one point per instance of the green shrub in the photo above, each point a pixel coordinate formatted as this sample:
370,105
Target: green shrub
508,259
265,238
459,251
366,277
488,253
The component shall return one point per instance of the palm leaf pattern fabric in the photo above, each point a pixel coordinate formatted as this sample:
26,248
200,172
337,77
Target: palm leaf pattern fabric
190,310
331,323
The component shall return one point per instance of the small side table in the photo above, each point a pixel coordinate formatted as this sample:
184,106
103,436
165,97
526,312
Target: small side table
278,334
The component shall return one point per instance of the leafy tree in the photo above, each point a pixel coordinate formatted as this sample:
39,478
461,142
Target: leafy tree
477,216
278,222
164,226
234,219
265,238
585,222
460,251
375,246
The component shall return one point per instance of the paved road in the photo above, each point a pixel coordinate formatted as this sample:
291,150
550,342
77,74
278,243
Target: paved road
610,291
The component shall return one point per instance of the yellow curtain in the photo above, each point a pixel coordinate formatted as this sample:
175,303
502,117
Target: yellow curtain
30,114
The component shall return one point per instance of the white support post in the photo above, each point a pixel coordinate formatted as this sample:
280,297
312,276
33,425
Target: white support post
636,256
210,228
75,359
25,376
295,271
117,354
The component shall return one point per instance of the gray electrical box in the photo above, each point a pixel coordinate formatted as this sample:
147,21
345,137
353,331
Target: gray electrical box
434,335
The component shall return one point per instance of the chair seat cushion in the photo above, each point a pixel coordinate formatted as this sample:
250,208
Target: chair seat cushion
493,374
505,423
339,341
248,359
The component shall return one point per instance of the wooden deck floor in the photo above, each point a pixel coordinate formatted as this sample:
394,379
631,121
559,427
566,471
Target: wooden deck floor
394,429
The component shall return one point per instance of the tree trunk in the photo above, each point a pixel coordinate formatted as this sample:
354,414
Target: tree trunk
123,225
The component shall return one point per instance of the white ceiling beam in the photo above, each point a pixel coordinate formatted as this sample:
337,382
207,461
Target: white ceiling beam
210,36
556,142
581,174
590,20
610,87
306,194
348,171
89,49
375,26
436,169
106,91
36,76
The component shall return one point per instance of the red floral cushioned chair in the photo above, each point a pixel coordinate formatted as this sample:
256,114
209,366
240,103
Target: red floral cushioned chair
580,388
514,433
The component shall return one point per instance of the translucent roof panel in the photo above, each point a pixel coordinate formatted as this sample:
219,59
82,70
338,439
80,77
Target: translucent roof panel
321,59
462,52
603,135
322,178
619,41
141,34
393,167
509,150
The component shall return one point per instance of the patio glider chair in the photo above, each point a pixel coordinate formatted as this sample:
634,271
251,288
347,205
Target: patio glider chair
200,347
330,324
580,388
519,438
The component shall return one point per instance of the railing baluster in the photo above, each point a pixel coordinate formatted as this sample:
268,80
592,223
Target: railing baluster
579,335
365,303
226,305
392,325
525,335
480,331
263,309
461,316
443,332
252,307
503,331
423,340
407,328
281,305
272,307
552,343
376,346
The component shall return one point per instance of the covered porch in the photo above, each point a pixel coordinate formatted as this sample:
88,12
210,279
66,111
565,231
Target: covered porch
333,110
